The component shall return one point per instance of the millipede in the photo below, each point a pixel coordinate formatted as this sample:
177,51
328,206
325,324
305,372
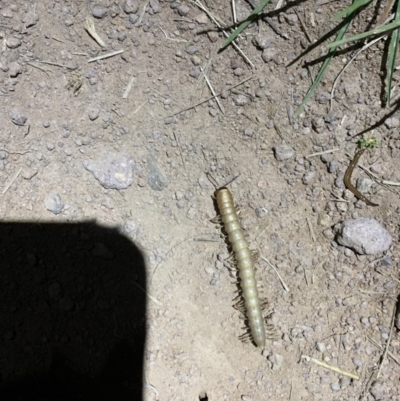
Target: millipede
245,266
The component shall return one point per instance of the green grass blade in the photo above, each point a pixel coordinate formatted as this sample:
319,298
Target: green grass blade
245,23
325,64
392,52
350,9
377,31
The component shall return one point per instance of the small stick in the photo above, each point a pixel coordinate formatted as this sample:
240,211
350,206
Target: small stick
39,68
212,91
381,348
139,108
57,40
173,39
198,4
79,54
366,46
56,64
90,28
262,232
311,229
303,26
321,153
277,273
331,367
128,88
105,56
180,150
151,297
12,181
139,21
385,352
206,100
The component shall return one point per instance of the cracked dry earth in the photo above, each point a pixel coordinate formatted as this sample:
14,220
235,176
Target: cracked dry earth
114,279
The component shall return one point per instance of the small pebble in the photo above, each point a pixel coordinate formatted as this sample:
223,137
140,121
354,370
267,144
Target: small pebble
46,124
241,100
18,117
263,41
379,390
13,43
130,6
14,69
99,11
309,177
31,18
201,19
335,386
183,10
283,152
93,114
53,203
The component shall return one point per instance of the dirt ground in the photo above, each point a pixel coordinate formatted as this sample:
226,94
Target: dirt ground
135,144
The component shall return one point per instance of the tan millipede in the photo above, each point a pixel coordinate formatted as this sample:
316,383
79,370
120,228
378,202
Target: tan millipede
245,265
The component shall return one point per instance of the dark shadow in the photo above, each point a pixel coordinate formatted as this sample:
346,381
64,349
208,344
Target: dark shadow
72,319
380,121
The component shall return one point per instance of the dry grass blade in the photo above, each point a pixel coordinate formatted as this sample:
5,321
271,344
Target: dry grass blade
244,24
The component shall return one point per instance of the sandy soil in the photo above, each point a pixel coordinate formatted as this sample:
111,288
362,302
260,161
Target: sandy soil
108,170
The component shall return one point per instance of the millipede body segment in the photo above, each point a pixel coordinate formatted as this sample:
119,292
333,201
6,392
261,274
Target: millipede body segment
245,265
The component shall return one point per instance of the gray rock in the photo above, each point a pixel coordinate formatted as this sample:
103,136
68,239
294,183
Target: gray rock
392,122
93,114
183,10
263,41
53,203
192,49
99,11
31,18
241,100
113,171
364,235
155,178
194,72
283,152
133,18
155,5
18,117
268,54
14,69
309,177
364,185
13,43
28,173
130,6
379,390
